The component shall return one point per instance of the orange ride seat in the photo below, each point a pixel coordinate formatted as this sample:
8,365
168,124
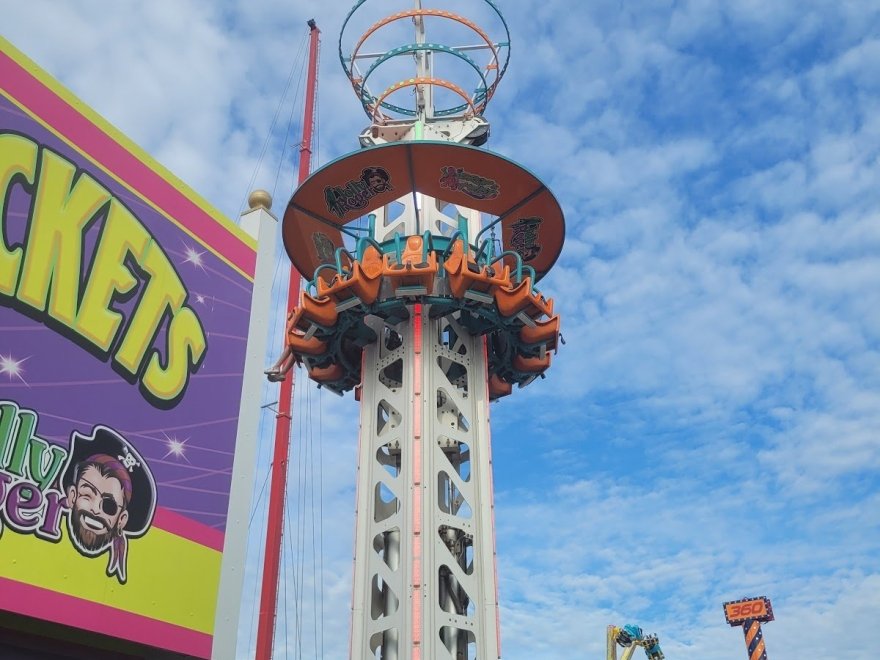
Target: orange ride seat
543,332
362,282
498,387
299,344
531,364
329,287
414,269
328,374
320,311
464,273
520,298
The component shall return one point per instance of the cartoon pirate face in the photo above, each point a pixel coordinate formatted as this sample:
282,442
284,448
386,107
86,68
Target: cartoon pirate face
99,502
377,180
111,495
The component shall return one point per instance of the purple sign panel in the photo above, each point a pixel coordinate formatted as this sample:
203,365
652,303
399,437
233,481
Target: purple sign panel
124,309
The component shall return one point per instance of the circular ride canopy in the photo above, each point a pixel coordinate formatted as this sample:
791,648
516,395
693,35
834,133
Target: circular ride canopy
352,186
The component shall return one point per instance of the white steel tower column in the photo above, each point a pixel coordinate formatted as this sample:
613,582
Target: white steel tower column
424,555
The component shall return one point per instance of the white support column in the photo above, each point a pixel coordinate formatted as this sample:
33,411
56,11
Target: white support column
459,562
262,225
424,558
381,607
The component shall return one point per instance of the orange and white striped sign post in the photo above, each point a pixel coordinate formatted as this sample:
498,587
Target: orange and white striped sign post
750,613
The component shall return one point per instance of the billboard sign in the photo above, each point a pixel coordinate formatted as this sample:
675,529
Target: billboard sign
124,311
737,612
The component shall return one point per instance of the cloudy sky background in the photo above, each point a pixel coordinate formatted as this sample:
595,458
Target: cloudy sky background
710,430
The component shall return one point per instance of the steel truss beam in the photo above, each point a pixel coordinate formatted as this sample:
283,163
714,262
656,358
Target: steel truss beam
425,583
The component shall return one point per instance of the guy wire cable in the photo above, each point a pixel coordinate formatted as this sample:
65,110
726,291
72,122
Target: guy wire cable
300,56
286,142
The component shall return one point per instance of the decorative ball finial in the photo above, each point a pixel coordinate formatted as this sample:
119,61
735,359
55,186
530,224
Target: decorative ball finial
260,199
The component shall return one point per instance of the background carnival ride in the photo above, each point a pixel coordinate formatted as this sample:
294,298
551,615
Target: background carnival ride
748,613
631,637
422,254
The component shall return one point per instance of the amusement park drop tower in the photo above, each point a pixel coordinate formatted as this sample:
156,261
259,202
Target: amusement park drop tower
422,253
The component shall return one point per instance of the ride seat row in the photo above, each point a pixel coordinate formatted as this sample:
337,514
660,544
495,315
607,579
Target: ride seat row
527,315
416,267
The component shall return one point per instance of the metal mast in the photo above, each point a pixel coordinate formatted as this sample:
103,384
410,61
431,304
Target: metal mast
274,530
419,306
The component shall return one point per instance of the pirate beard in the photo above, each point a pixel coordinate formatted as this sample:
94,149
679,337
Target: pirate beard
83,526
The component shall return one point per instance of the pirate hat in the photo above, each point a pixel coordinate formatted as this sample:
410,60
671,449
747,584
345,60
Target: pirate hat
143,488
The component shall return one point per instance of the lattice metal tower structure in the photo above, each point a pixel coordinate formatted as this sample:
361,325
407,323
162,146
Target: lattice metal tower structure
422,252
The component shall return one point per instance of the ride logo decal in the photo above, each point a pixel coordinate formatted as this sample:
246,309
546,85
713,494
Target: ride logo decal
356,193
472,185
525,237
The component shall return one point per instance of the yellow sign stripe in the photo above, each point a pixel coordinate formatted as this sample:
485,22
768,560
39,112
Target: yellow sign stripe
170,578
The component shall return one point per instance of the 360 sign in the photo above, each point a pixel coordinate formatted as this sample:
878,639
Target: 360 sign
748,609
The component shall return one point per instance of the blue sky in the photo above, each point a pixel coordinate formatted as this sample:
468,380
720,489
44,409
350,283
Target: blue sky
711,429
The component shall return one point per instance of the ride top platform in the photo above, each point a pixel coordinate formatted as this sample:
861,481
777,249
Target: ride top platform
490,283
